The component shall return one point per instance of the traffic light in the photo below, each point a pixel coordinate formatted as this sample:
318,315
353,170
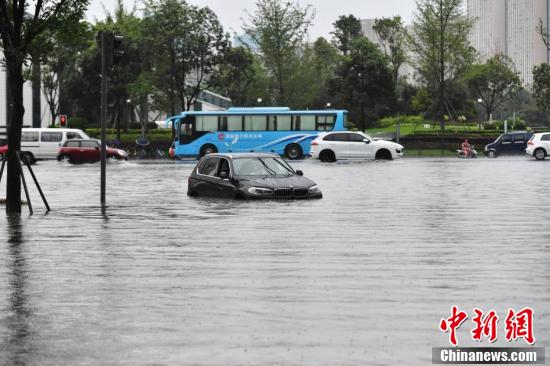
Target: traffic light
112,48
63,121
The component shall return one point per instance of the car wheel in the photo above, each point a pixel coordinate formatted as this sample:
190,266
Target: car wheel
208,149
327,156
293,151
28,157
540,154
491,154
65,159
383,154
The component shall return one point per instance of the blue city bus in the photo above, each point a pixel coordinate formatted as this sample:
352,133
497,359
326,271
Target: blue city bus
274,129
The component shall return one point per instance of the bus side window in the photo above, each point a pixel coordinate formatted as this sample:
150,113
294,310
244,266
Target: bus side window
234,123
307,123
272,123
284,123
223,123
325,122
296,123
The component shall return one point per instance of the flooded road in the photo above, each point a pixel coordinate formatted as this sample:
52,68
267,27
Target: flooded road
361,277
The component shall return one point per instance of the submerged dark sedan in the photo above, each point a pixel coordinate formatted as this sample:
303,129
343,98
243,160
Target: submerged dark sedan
249,175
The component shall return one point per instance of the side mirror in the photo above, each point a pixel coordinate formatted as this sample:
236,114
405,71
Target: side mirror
300,173
224,174
366,141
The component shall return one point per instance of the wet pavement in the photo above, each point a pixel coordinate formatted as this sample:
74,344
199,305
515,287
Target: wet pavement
361,277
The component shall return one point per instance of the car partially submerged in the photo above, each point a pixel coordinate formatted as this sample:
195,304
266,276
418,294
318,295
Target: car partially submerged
249,176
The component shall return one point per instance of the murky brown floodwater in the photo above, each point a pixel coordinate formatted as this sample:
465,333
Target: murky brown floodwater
361,277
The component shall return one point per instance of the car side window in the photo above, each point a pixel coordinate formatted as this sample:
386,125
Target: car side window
89,144
336,137
223,166
29,137
545,138
505,138
73,136
518,137
355,137
72,144
52,136
210,167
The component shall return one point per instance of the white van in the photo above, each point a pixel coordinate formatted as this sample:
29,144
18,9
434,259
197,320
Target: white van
44,143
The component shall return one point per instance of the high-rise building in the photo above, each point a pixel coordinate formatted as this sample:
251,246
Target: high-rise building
509,27
488,34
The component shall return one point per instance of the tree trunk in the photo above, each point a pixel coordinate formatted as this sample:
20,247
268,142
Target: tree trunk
16,110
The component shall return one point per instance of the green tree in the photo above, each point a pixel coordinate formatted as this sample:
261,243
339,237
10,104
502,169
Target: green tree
280,28
363,84
440,41
187,42
495,82
541,86
392,36
21,24
346,30
240,77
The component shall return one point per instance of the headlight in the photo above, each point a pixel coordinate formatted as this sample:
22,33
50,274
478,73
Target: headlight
314,189
122,152
259,191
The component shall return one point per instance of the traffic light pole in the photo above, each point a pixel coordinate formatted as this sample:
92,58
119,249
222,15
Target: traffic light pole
104,80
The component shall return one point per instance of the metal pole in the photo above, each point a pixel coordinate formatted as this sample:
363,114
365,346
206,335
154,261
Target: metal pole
24,183
104,36
37,185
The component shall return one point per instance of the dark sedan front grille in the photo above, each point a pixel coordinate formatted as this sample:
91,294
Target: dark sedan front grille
283,193
291,193
300,192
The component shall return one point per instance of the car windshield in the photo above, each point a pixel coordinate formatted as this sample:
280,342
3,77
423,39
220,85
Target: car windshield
261,167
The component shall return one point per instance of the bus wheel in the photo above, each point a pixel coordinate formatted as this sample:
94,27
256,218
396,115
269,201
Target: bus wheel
293,151
208,149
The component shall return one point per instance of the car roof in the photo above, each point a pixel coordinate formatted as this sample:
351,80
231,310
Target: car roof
243,155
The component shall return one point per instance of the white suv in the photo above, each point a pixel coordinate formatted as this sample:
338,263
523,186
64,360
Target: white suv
332,146
539,145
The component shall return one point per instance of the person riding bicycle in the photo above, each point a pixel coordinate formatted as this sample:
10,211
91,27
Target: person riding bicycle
466,148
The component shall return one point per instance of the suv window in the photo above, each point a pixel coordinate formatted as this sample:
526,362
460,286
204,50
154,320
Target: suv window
336,137
29,137
223,166
545,137
52,136
72,144
89,144
73,135
518,137
505,138
210,167
355,137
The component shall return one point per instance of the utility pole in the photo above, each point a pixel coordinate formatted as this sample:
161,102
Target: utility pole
110,55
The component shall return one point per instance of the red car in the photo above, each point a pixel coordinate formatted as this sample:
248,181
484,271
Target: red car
87,151
3,149
25,154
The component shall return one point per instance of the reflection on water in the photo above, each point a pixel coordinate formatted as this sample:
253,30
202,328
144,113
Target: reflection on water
360,277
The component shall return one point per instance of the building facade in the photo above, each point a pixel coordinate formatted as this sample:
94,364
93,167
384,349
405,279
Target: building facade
509,27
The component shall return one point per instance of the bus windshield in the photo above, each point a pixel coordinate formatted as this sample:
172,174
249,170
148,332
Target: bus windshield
261,167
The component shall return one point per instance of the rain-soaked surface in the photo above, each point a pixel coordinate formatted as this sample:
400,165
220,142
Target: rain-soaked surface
361,277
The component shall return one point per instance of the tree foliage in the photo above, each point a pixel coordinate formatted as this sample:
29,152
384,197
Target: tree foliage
363,83
346,30
541,86
392,36
494,83
440,41
280,29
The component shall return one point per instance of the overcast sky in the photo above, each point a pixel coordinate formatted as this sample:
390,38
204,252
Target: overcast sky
231,12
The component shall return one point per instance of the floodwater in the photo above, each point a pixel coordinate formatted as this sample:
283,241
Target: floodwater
361,277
